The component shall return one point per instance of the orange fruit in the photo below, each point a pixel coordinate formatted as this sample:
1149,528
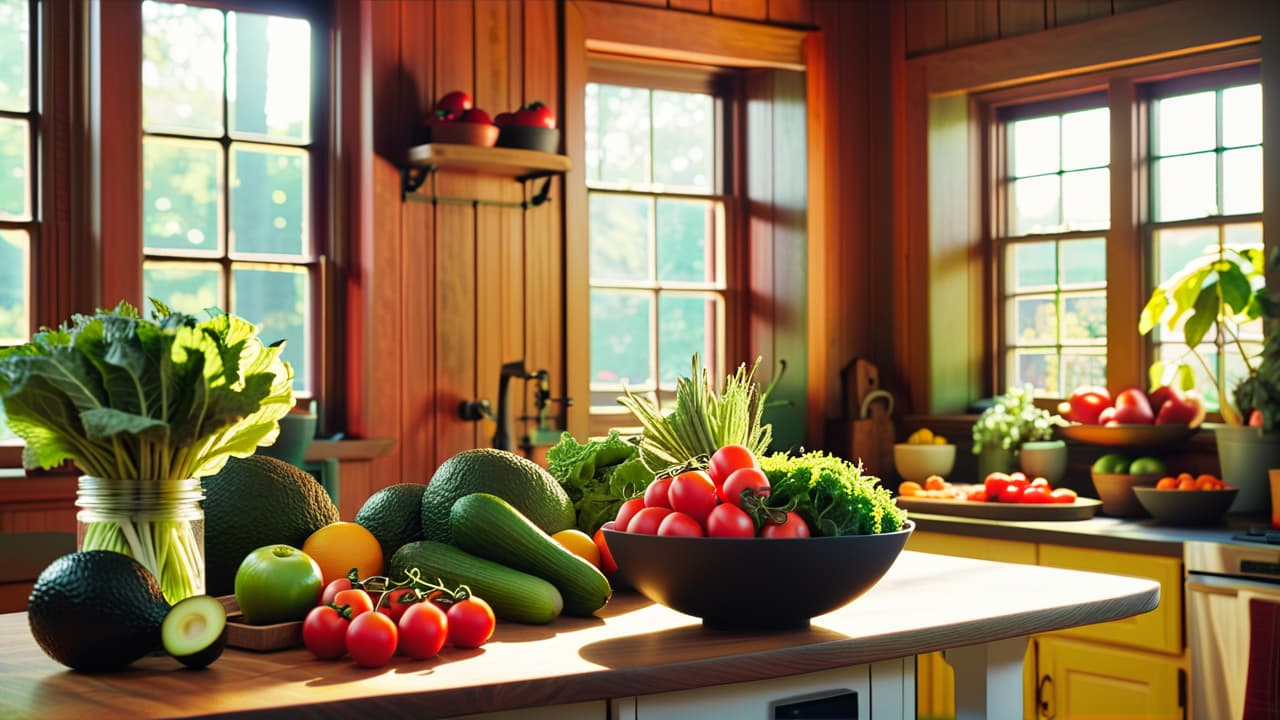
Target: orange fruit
1186,483
580,544
340,546
1185,476
935,482
910,488
1168,482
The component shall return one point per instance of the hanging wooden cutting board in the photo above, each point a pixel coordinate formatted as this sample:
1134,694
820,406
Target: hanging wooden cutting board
872,437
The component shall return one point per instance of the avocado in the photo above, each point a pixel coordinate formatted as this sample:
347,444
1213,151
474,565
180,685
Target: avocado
526,485
195,630
96,611
394,516
257,501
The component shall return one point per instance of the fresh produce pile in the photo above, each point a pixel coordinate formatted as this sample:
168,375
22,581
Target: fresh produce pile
1117,464
1187,481
999,487
458,106
925,436
1165,405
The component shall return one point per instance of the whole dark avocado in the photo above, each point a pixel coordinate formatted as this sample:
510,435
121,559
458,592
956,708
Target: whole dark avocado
96,611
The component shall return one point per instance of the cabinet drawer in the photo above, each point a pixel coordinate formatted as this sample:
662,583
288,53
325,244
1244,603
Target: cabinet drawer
1084,681
1011,551
1160,629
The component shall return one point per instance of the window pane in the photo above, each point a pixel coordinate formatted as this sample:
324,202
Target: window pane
181,68
683,141
1243,235
1176,247
269,200
1084,317
1242,115
277,298
1031,265
15,56
686,325
1083,262
1175,352
620,237
1034,205
182,181
1185,124
185,287
269,84
1086,139
1242,181
1033,146
1033,321
617,135
1038,368
15,170
1086,200
15,288
620,338
1083,368
1185,187
685,236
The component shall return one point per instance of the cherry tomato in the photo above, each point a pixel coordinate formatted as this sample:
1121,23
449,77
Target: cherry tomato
627,511
334,587
607,563
646,521
656,494
1011,494
1063,495
1040,482
726,460
1035,495
394,603
745,480
730,521
994,484
976,494
423,630
455,103
1019,478
471,622
477,116
372,639
358,599
504,118
677,523
793,527
324,632
693,494
535,114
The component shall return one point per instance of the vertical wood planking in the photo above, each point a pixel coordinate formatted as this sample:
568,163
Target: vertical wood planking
511,279
1065,12
1022,16
856,313
879,279
972,21
418,276
791,11
760,298
926,26
746,9
818,91
577,353
702,6
655,3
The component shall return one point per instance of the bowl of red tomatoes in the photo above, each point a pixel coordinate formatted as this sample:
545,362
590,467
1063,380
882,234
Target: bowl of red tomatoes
531,127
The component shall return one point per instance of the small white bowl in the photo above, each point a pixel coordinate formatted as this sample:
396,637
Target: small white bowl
918,462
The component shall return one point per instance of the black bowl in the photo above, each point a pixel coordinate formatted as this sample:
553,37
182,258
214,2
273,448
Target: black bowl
755,583
1185,507
545,140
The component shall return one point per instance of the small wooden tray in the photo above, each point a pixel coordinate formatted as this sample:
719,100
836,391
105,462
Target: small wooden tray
1081,509
260,638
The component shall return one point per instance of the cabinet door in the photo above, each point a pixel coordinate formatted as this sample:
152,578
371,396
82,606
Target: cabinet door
1011,551
759,700
1085,681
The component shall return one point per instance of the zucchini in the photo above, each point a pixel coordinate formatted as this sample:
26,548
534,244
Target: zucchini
513,595
490,527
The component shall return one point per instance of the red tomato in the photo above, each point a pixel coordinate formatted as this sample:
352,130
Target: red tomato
995,484
372,639
423,630
1063,495
678,524
646,521
394,603
693,494
477,116
627,511
455,103
1019,478
1040,482
730,521
471,622
793,527
358,599
324,632
1011,494
607,563
1035,495
334,587
656,494
745,480
504,118
977,494
726,460
535,114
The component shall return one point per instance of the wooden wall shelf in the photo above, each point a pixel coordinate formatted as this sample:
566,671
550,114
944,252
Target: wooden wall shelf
518,164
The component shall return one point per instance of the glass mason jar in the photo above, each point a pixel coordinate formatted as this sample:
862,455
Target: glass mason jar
159,524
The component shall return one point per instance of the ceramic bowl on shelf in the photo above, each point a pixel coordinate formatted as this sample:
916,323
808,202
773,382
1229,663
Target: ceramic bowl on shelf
1115,490
917,462
542,139
713,579
1186,507
464,133
1127,435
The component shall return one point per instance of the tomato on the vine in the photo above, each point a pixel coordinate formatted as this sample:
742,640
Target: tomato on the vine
656,494
324,632
742,481
693,494
372,639
727,459
730,521
471,622
334,587
680,525
646,521
793,527
395,602
358,599
627,511
423,629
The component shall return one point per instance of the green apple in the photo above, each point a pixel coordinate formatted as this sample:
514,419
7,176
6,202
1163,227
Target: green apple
1147,466
1111,464
277,583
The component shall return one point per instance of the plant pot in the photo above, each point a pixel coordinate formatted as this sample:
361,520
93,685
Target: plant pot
996,460
1246,454
1044,458
297,429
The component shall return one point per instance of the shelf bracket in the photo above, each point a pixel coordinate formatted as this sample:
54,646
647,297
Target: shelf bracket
411,178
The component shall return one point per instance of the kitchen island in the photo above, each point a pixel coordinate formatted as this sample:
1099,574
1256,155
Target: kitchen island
634,660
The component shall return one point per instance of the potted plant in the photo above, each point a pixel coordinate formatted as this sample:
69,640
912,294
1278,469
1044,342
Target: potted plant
1003,429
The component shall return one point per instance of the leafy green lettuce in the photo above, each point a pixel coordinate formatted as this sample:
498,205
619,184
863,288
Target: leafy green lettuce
831,494
598,476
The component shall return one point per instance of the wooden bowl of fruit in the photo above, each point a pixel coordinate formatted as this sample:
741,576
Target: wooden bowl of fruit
1187,500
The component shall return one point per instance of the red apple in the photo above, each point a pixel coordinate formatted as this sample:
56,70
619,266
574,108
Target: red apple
1087,403
1179,408
1133,408
1107,416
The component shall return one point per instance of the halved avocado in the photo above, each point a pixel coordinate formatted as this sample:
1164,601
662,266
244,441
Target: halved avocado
195,630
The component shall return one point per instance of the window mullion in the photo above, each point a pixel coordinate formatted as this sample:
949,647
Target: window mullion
1127,352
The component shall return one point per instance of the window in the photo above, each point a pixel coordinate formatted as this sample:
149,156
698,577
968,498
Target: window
19,205
659,231
229,155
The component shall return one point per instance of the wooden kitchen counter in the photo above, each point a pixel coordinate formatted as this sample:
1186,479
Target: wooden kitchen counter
925,602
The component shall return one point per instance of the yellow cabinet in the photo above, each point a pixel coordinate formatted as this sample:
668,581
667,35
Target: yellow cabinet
1010,551
1087,681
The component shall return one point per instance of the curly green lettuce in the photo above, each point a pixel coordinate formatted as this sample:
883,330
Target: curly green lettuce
598,476
832,494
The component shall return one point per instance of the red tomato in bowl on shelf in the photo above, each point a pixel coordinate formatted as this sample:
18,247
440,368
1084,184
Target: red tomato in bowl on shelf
535,114
455,103
477,116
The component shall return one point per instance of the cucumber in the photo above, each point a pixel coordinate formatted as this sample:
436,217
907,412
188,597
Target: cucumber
490,527
513,595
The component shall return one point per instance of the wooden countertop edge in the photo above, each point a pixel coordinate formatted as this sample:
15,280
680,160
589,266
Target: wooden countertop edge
1006,530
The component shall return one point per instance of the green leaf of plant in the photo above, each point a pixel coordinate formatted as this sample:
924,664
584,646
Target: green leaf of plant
1187,293
103,423
1206,313
1184,378
1236,290
1153,311
1155,374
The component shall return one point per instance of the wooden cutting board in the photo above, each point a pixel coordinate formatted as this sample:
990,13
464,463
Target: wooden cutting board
872,432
